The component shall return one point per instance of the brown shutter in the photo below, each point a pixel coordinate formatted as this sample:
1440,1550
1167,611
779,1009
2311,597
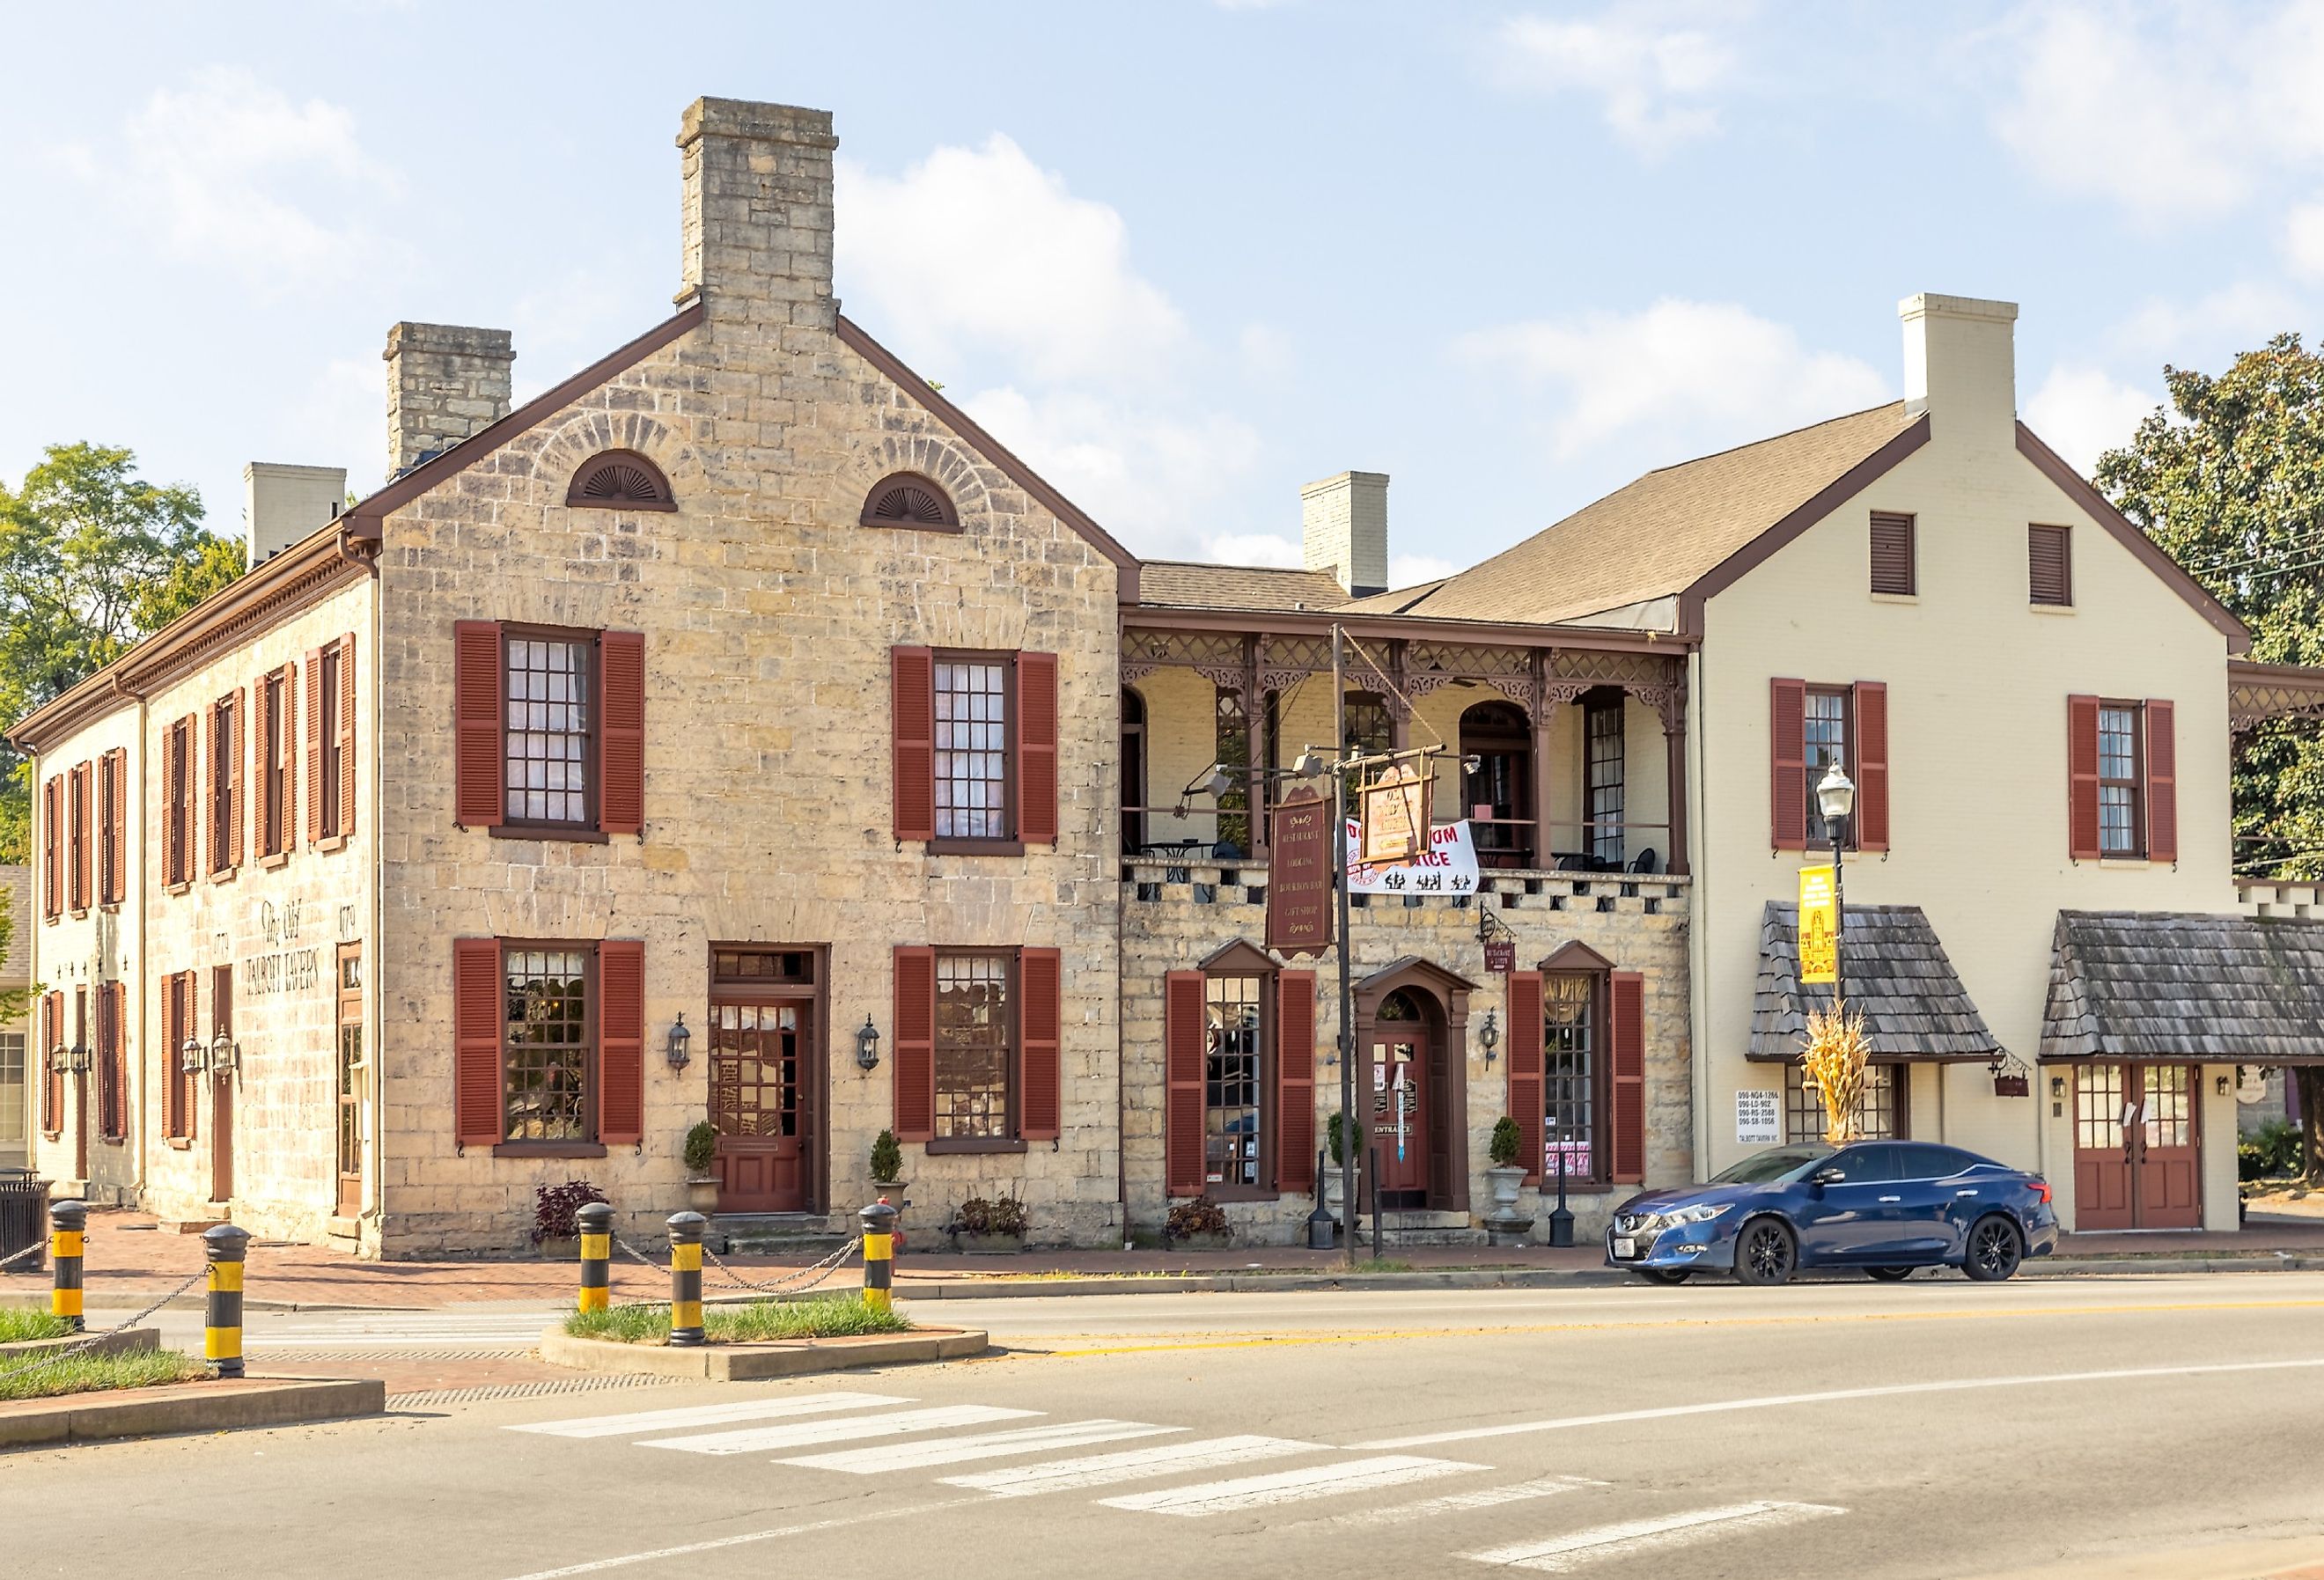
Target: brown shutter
173,796
912,723
914,1070
346,743
108,1068
620,1042
238,775
1629,1037
173,1084
1036,748
190,1109
476,1009
1185,1051
2082,778
476,715
1524,1038
314,745
2049,565
52,1086
1871,766
622,785
1892,553
265,746
1787,795
53,865
207,772
1295,1081
1040,974
2162,782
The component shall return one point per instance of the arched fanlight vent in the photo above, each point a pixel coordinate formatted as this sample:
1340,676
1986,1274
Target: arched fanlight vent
910,500
620,480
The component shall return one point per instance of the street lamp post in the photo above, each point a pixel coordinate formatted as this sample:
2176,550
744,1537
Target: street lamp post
1836,799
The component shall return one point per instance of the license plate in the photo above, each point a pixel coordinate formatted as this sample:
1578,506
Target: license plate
1625,1246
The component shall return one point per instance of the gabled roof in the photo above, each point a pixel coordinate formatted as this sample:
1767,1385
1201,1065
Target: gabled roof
1894,973
2185,988
1179,583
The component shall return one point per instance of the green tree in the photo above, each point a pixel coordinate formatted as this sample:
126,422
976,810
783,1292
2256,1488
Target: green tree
15,1003
92,558
2231,482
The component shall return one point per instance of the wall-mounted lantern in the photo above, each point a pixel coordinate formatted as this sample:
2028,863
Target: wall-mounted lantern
867,1045
77,1059
192,1056
675,1050
1488,1036
225,1054
2057,1086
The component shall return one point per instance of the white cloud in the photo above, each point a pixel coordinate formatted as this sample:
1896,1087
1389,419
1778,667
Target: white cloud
1654,79
2081,411
1269,550
2233,318
2303,240
1696,372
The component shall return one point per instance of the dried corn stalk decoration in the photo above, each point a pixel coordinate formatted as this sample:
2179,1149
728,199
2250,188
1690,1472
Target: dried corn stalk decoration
1834,1059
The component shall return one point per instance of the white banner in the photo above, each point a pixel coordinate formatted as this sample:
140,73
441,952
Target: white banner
1449,867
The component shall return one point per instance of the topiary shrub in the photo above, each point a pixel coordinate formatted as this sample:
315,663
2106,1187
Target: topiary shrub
1503,1147
701,1148
1338,1129
887,1159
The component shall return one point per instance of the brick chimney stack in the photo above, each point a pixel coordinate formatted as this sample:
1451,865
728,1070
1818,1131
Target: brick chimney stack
1343,529
445,381
758,210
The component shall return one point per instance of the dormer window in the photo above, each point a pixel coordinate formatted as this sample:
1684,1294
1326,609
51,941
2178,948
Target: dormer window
620,480
911,501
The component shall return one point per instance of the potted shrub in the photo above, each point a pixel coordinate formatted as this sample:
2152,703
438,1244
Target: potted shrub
1504,1225
1200,1225
702,1168
992,1227
556,1232
1337,1131
888,1169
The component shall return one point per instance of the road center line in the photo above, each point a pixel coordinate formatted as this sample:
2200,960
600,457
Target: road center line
1770,1401
889,1511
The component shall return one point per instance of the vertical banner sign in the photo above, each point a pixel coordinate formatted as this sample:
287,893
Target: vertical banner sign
1299,874
1395,813
1819,927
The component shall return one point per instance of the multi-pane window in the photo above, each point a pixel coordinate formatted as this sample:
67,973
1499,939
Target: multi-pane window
1232,1082
1826,736
79,852
1879,1106
547,774
327,725
178,792
13,1101
273,762
972,749
112,883
1232,750
225,786
2120,792
1602,732
546,1051
2098,1107
1570,1075
350,1083
974,1033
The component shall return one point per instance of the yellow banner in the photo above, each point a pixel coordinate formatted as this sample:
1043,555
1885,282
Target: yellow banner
1819,926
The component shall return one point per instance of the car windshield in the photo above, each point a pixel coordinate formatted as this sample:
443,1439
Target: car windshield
1775,1166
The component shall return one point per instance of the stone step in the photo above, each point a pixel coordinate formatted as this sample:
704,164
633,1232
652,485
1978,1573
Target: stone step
773,1233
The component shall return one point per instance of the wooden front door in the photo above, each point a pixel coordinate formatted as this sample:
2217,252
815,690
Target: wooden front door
1400,1115
2135,1148
758,1065
351,1070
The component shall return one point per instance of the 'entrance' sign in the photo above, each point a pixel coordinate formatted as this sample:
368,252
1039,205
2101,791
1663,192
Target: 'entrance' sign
1299,874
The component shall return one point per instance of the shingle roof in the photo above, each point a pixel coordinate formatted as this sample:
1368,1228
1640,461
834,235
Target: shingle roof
1660,534
1896,973
1177,584
2155,986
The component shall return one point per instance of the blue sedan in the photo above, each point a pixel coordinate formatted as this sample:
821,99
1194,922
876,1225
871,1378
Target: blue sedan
1884,1206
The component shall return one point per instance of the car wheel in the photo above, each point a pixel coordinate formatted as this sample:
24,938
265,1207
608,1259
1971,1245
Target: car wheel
1996,1249
1890,1275
1765,1253
1662,1275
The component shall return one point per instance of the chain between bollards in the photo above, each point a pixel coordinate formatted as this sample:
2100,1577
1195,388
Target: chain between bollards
226,1246
686,1279
68,1236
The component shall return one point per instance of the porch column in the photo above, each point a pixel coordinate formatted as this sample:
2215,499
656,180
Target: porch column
1254,747
1540,802
1674,755
1400,716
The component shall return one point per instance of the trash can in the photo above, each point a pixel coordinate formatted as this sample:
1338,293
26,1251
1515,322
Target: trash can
24,1221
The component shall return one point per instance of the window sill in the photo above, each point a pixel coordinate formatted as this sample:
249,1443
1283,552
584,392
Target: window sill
976,848
273,860
114,1141
574,835
957,1145
1896,597
1227,1193
333,842
2129,863
111,907
224,875
179,888
549,1148
178,1143
81,914
1547,1184
2048,608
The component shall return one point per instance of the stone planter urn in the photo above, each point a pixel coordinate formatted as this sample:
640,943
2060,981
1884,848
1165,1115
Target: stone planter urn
702,1195
1504,1225
971,1244
894,1190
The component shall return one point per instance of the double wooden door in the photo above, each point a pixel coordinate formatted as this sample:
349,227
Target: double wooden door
759,1085
2136,1157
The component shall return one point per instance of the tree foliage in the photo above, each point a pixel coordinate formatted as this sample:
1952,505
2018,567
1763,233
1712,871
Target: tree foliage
92,558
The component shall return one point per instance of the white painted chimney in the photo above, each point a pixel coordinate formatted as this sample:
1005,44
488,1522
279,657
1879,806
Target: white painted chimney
1343,529
283,503
1961,364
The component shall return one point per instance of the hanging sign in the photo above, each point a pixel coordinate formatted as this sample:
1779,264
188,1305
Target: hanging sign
1299,874
1501,956
1819,926
1394,811
1449,867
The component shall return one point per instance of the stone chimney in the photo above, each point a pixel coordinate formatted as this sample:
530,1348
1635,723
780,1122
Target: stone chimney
758,210
1961,363
1344,527
444,383
283,503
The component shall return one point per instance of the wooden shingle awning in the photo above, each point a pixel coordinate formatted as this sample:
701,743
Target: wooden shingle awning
2163,987
2259,692
1897,976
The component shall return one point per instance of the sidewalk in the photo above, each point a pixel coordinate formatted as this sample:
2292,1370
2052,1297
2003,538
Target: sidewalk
130,1263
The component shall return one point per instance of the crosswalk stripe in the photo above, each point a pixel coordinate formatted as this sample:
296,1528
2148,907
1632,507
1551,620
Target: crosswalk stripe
1101,1470
752,1439
708,1415
1459,1502
1289,1486
1563,1554
978,1445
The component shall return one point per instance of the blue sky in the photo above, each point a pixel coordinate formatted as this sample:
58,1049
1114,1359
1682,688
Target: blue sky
1183,255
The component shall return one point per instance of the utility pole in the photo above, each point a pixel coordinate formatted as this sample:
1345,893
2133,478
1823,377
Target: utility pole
1354,1136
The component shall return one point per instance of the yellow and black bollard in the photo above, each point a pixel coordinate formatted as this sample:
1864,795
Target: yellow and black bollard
596,1221
68,1221
878,1255
686,1278
222,1320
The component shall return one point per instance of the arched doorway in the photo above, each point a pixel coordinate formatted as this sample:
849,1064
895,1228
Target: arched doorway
1133,772
1498,800
1411,1032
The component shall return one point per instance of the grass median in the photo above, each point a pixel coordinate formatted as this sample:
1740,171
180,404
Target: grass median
18,1324
824,1317
98,1373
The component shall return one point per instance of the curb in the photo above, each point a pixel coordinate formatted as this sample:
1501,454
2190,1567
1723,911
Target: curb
188,1406
127,1341
754,1362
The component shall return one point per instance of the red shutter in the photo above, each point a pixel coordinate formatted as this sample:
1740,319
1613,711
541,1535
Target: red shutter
2162,782
912,721
1787,797
173,1085
1295,1081
264,739
237,774
314,744
208,770
52,1088
1040,974
620,1042
915,1067
1629,1043
621,760
1036,748
189,1082
2082,778
119,857
345,744
1186,1050
52,864
174,795
1871,766
1525,1039
79,827
477,1010
476,722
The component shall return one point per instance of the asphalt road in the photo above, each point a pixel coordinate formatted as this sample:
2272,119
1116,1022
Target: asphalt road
2117,1427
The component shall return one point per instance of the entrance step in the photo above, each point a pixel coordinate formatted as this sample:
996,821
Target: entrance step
1424,1228
774,1234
